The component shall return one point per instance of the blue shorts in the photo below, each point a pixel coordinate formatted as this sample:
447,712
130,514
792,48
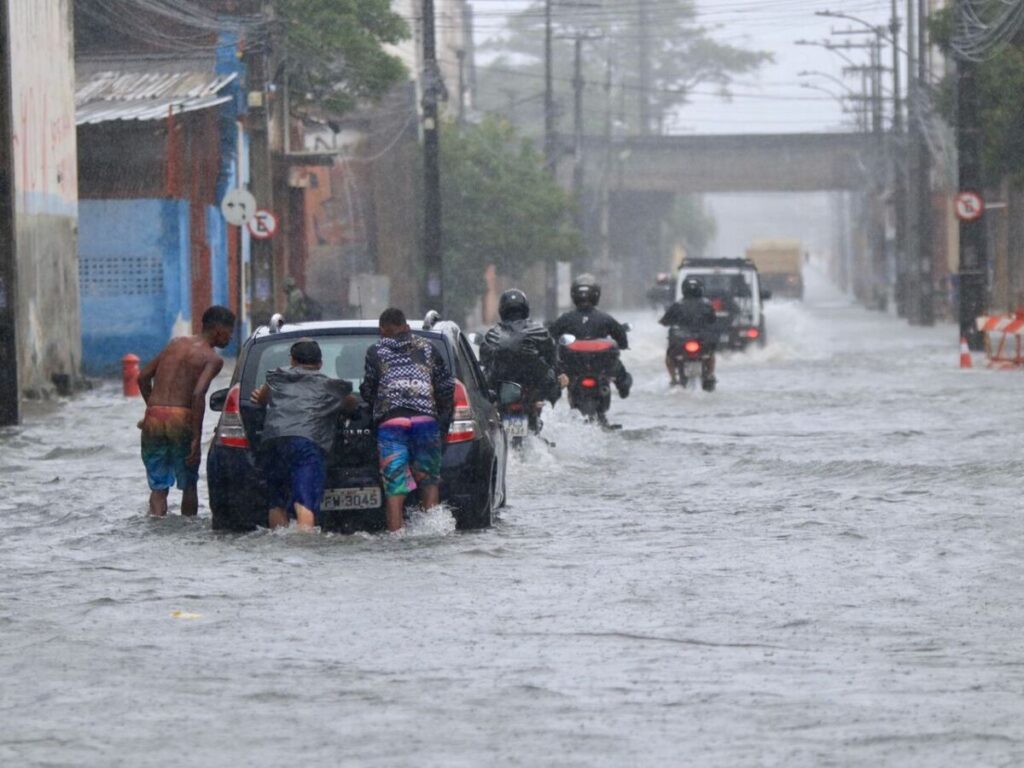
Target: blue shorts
410,453
294,469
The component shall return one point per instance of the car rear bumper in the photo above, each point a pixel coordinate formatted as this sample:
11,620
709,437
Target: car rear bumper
238,498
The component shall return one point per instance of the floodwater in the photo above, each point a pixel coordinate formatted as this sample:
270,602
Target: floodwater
819,564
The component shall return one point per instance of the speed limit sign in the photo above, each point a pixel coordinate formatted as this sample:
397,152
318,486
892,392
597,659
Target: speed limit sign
969,206
263,225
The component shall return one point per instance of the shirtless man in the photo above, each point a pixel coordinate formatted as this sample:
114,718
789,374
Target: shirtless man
174,386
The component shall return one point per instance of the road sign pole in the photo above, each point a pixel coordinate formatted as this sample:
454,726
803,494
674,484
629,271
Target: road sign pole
973,240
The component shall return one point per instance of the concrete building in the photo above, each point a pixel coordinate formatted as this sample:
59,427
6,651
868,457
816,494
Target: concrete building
40,346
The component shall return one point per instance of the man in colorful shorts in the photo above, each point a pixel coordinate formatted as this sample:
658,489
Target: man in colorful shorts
174,386
298,434
412,394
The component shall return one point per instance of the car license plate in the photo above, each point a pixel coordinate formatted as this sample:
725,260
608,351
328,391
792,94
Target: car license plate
516,426
692,369
351,498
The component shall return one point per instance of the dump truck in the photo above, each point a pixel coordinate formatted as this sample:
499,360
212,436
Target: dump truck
780,264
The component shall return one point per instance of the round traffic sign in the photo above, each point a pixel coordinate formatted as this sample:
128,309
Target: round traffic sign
969,206
238,207
263,225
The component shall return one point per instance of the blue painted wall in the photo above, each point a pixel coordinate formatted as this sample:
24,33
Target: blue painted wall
135,278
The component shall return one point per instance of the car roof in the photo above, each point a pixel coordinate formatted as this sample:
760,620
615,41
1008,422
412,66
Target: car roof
718,264
445,328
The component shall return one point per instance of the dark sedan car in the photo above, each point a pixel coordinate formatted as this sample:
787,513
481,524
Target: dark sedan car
475,449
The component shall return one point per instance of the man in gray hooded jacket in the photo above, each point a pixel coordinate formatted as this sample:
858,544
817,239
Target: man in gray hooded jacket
298,433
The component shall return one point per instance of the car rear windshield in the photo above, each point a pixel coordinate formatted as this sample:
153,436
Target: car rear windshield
344,356
725,283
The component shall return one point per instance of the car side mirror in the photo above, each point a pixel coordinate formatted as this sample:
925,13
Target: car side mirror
509,392
217,400
566,339
627,327
765,294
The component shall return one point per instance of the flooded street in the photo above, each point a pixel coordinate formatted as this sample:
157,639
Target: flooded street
818,564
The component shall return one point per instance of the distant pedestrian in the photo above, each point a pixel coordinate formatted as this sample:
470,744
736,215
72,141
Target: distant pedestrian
298,434
412,394
174,386
300,308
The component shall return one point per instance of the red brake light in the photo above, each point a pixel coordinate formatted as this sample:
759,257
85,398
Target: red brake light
463,427
753,333
717,304
588,382
591,345
231,430
692,346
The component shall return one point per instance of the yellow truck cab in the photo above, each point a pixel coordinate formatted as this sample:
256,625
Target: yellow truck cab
780,263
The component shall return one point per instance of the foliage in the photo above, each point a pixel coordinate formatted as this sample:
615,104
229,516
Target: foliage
1000,82
500,207
335,49
682,56
690,225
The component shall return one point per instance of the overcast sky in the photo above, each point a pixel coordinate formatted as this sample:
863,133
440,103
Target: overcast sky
771,101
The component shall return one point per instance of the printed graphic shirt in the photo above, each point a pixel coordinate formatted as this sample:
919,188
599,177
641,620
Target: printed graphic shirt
405,374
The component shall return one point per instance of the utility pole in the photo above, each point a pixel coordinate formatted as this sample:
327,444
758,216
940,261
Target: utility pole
261,165
461,115
973,240
605,254
644,65
923,186
433,90
550,160
914,221
896,163
577,126
9,394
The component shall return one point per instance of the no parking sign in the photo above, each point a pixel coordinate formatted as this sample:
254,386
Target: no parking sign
263,225
969,206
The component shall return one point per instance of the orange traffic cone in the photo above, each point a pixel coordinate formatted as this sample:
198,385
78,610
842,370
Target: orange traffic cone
965,354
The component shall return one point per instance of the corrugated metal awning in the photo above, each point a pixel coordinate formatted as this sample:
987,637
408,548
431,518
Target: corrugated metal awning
116,95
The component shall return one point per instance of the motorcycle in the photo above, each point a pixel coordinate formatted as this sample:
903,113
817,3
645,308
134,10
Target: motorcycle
691,359
590,365
520,413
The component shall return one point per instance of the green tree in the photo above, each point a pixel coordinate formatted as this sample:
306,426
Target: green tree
500,207
1000,80
690,224
335,50
681,55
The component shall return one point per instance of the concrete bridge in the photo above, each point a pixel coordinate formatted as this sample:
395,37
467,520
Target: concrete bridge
802,162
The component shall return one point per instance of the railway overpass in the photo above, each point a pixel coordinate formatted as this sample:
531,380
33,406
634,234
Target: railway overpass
644,173
795,162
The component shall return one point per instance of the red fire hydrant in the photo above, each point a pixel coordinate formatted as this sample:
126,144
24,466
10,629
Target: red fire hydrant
130,375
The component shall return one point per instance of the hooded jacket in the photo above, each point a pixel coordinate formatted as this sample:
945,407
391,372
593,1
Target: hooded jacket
303,403
406,374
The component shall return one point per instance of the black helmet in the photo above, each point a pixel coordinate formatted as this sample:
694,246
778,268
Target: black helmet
693,288
585,291
513,305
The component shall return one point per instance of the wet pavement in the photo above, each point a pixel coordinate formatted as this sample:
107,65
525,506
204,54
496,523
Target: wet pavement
818,564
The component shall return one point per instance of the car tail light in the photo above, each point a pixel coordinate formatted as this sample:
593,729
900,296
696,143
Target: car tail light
463,427
717,305
588,383
753,333
692,347
231,431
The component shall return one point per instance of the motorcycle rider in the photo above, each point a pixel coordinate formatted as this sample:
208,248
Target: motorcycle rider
588,322
521,350
694,314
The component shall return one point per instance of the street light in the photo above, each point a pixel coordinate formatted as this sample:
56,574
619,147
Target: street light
828,46
833,78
